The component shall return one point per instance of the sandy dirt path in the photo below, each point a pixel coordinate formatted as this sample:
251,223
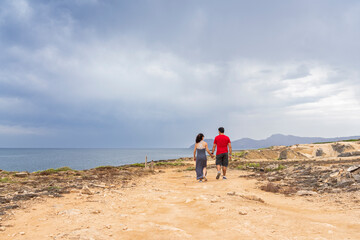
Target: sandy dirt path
172,205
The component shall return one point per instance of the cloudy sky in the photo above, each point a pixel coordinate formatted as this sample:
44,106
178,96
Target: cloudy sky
152,73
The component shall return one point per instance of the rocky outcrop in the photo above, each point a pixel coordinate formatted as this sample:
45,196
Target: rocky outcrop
349,154
319,152
309,179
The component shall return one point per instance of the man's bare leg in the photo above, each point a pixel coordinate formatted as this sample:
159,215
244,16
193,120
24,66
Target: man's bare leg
224,170
218,167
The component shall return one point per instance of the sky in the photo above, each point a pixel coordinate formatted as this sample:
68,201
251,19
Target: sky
153,73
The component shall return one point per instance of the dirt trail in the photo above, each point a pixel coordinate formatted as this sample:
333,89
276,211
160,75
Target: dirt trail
172,205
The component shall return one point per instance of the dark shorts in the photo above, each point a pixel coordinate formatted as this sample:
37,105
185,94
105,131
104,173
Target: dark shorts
222,159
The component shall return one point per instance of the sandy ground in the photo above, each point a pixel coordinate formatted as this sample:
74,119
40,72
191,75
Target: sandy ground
172,205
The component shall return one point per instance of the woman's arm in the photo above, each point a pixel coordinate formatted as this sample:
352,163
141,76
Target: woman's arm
207,149
195,151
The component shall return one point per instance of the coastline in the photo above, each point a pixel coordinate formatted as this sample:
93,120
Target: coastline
128,201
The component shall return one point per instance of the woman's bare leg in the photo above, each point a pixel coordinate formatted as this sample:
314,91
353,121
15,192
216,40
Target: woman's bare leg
204,173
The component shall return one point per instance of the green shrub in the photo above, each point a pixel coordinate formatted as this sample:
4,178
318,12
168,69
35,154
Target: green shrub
52,170
239,154
138,165
5,180
190,169
169,164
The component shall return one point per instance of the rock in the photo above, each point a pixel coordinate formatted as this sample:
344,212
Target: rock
349,154
306,193
356,177
353,168
252,197
21,174
86,190
2,228
345,183
319,152
273,179
231,193
11,207
335,174
338,147
283,154
242,213
4,200
26,196
22,233
271,167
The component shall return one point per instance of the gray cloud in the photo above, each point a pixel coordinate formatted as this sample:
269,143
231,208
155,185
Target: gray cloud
119,73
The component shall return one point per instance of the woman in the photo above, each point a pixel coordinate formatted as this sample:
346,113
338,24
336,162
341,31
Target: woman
200,157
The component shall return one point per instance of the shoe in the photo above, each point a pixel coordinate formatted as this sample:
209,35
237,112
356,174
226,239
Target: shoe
224,178
200,181
218,175
205,179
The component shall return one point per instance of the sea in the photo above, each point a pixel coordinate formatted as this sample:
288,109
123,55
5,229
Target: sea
34,159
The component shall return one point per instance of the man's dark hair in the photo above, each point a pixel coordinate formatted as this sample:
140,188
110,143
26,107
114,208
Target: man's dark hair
221,129
199,137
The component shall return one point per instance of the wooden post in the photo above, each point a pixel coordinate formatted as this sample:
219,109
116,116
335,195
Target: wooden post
145,161
152,165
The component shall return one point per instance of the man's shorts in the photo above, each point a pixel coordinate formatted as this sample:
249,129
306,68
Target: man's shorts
222,159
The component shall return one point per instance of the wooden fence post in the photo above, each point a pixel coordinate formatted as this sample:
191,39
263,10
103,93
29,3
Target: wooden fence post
145,162
152,165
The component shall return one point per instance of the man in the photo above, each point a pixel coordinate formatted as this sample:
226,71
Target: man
223,152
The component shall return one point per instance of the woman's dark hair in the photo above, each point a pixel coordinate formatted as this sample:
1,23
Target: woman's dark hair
199,137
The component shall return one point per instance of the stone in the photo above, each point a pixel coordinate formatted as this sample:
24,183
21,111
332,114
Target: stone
338,147
231,193
4,200
242,213
21,174
26,196
283,154
306,193
86,190
2,228
356,177
335,174
345,183
319,152
271,167
353,168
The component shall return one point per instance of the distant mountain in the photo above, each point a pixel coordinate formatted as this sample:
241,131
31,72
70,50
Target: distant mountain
277,139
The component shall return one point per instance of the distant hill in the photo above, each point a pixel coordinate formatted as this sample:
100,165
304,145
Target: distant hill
277,139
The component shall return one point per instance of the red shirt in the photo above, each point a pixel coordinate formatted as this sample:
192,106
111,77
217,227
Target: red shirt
221,142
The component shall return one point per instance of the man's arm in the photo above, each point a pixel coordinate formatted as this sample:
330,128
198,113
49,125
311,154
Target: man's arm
230,150
213,149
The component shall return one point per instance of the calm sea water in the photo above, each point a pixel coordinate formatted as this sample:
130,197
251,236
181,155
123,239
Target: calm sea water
33,159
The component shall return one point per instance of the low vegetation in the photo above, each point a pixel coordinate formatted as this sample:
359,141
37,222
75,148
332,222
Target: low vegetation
239,154
280,167
190,169
5,180
169,164
349,140
248,165
52,170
